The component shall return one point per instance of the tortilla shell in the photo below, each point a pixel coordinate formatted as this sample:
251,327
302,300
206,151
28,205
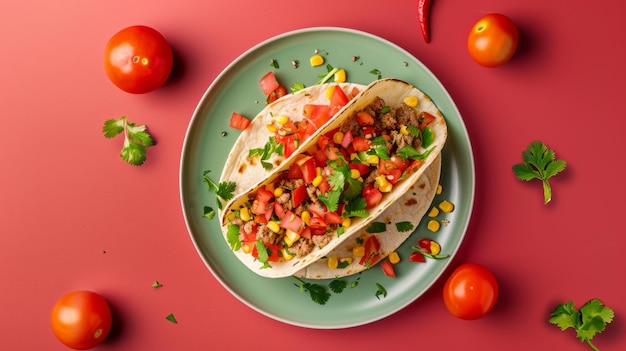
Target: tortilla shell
410,207
393,91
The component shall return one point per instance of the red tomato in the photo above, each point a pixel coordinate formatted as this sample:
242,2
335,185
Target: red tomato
492,40
299,194
318,225
81,319
238,121
388,269
138,59
372,251
292,222
471,291
269,83
307,167
338,99
360,143
372,196
317,114
364,118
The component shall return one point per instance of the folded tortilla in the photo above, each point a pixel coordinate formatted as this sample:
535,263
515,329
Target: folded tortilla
393,92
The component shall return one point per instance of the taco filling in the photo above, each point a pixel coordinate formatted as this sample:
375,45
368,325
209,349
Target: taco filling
348,171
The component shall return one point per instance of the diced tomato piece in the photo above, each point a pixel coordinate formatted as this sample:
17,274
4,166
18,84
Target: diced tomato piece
338,99
347,139
323,141
269,83
425,119
415,165
324,186
317,209
279,210
280,91
307,168
354,92
372,250
320,157
369,132
399,162
361,167
318,225
417,257
292,222
273,251
264,195
306,129
238,121
289,144
306,233
388,269
364,118
298,195
250,237
317,114
360,143
333,218
372,196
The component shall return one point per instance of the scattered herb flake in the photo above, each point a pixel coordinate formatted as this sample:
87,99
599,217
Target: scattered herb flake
377,73
209,212
156,284
170,317
590,320
539,162
380,291
376,227
136,139
274,63
337,285
297,87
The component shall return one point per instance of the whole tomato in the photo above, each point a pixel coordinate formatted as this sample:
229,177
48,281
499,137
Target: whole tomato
81,319
492,40
138,59
471,291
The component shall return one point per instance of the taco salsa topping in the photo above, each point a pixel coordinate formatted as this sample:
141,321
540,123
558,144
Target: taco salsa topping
345,174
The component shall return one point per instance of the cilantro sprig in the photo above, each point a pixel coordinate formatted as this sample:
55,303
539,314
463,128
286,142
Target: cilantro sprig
264,153
343,187
224,191
136,139
587,321
539,162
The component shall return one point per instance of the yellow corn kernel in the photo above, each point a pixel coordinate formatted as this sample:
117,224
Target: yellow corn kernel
340,76
273,226
316,60
435,248
346,222
372,160
394,257
286,254
411,101
246,248
290,237
433,225
317,180
244,214
338,137
230,216
355,174
404,130
282,119
272,128
318,171
358,251
446,206
434,212
383,184
333,262
279,191
439,189
346,259
305,215
329,91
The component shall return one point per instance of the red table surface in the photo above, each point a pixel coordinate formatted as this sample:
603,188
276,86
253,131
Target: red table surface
74,216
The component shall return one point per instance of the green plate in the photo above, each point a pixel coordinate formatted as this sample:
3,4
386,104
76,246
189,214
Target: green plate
206,147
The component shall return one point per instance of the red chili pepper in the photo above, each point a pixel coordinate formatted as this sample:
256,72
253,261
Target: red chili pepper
423,8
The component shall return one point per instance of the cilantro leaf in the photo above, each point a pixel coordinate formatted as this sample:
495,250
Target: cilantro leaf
156,284
409,152
317,292
380,291
232,236
356,208
297,87
376,227
263,255
136,139
590,320
337,285
209,212
404,226
539,162
330,199
264,153
224,191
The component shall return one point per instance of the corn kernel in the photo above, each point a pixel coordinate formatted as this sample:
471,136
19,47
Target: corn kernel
279,192
433,225
286,254
346,222
317,180
434,212
305,215
244,214
439,189
282,119
358,251
435,248
411,101
346,259
230,216
272,128
446,206
355,174
383,184
333,262
290,237
404,130
316,60
372,159
246,248
354,156
329,91
340,76
338,137
273,226
394,257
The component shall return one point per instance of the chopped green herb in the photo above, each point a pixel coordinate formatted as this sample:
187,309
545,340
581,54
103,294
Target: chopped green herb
223,191
343,264
376,227
404,226
380,291
325,77
356,208
539,162
317,292
377,73
209,212
232,236
590,320
263,254
429,255
170,317
271,147
385,109
136,139
274,63
409,152
297,87
156,284
337,285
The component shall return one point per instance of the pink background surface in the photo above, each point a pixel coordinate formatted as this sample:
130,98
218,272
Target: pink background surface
73,215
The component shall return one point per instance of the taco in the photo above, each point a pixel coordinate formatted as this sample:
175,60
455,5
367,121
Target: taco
407,211
345,175
265,144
